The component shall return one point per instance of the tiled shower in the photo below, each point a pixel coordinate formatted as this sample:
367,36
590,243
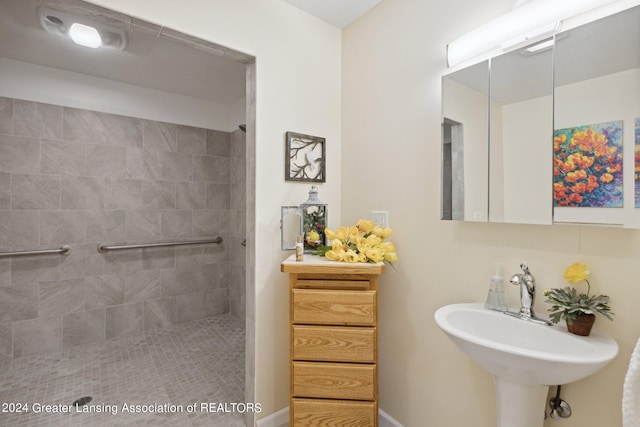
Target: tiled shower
77,177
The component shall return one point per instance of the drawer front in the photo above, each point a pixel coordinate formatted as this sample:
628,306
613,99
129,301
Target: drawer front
334,344
334,307
320,413
334,380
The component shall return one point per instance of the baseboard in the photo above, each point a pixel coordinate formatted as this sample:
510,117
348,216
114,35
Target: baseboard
277,419
281,419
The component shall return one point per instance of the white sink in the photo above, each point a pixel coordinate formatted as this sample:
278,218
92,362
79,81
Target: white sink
524,357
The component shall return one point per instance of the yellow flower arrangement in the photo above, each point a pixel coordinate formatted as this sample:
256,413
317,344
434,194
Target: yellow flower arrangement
363,242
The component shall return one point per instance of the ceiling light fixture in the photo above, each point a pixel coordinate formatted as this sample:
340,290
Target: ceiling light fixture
82,30
85,35
533,21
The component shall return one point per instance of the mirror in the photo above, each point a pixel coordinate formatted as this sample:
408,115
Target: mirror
586,86
521,125
597,106
465,144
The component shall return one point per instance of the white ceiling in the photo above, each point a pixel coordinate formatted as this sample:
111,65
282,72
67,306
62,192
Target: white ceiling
338,13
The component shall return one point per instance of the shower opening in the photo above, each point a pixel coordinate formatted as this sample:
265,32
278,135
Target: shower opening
123,150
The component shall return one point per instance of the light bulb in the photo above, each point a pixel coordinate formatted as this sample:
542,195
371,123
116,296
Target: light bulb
85,35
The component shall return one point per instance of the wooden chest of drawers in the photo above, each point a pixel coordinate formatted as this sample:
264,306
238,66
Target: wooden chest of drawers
333,342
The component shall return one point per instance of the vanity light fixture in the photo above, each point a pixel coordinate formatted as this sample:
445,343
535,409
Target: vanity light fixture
531,22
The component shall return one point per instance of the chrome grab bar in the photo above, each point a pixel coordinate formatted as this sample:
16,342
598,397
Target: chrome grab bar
63,250
106,248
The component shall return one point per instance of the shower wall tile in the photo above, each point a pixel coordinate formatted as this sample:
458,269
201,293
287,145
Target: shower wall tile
84,327
5,190
158,258
6,341
83,261
123,194
192,140
19,154
142,285
160,136
143,164
217,302
18,303
123,131
159,194
42,335
218,196
106,226
83,126
5,271
6,116
176,166
37,120
63,158
62,227
190,195
27,270
82,193
19,229
143,226
61,297
124,320
176,224
218,143
190,307
35,192
159,313
77,177
106,161
104,291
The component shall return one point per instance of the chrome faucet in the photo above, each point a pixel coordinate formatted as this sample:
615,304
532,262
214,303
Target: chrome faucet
527,285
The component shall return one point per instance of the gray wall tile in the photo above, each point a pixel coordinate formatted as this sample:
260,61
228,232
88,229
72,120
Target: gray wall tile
192,140
218,196
106,161
83,261
62,227
35,192
218,143
124,319
33,269
190,307
217,302
61,297
106,226
84,327
18,303
5,271
6,116
82,193
190,195
83,126
159,194
158,258
160,136
176,166
142,285
123,194
37,120
19,154
5,190
159,313
123,131
143,226
19,229
6,341
63,158
176,224
42,335
104,291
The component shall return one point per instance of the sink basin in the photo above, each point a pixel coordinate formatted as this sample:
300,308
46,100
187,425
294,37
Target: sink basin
524,357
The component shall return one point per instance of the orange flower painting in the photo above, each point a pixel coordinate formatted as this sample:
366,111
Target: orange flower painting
587,165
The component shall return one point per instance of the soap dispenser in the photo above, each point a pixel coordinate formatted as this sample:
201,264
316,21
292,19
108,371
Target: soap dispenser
496,298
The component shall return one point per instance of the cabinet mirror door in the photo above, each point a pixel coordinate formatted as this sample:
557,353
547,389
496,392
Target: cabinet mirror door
465,144
597,111
521,130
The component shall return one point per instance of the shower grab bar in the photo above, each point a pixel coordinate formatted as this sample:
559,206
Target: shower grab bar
105,248
63,250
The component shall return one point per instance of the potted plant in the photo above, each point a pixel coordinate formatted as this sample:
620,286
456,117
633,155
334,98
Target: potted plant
577,309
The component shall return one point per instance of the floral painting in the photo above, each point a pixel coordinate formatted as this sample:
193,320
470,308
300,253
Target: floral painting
587,166
637,165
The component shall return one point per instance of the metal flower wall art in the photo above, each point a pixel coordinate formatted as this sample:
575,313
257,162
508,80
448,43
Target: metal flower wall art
587,166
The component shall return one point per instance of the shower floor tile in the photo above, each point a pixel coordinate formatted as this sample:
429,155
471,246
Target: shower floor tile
148,379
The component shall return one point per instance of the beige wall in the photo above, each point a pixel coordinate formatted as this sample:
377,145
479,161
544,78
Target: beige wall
392,62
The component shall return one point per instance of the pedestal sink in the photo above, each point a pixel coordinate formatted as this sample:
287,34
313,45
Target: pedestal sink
524,357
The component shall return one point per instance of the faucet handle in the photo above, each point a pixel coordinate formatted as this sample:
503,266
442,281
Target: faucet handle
524,267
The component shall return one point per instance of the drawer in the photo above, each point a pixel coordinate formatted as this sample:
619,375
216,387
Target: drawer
333,307
334,380
320,413
334,343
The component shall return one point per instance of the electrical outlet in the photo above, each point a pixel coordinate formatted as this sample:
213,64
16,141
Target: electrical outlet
380,218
